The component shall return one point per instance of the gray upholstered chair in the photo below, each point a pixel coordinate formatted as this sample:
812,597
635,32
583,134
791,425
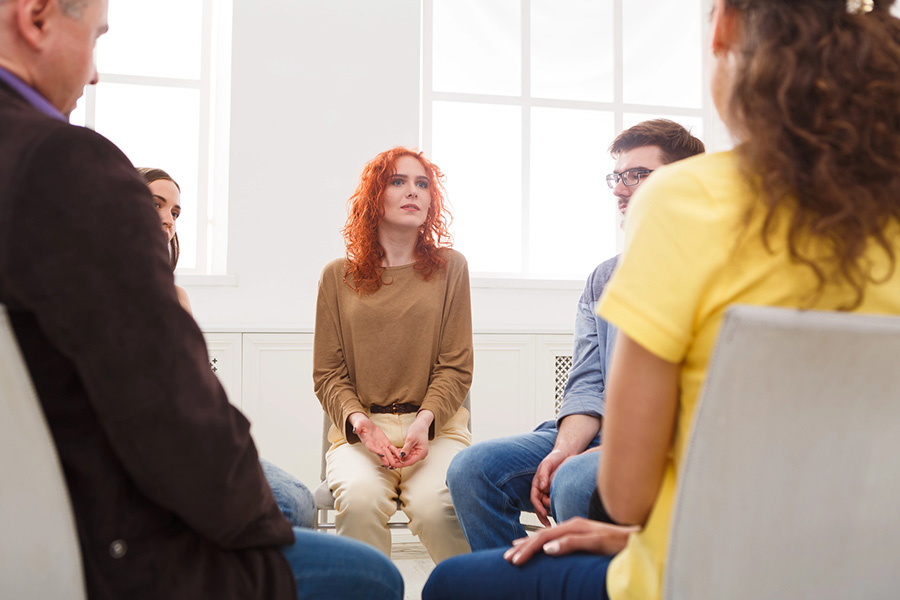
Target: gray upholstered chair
39,552
323,496
791,481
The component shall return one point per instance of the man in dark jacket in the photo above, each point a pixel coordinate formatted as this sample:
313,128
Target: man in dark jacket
169,497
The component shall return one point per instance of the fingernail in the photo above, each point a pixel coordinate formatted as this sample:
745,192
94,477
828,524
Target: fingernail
551,547
515,559
508,553
402,454
381,455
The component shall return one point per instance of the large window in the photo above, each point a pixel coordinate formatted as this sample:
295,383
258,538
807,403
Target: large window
163,99
521,99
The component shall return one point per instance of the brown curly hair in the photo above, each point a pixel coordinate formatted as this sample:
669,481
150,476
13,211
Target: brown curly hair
366,208
815,104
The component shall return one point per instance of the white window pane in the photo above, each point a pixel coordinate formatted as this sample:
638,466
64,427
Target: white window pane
477,46
573,212
158,127
77,116
692,124
153,38
663,53
572,49
479,148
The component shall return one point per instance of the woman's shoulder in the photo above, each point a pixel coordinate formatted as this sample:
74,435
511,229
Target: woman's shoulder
713,171
455,259
334,271
338,265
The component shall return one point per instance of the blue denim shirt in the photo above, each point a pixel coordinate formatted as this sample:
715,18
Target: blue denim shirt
594,338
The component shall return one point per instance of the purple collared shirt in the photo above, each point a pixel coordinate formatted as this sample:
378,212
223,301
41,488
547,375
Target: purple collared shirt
31,95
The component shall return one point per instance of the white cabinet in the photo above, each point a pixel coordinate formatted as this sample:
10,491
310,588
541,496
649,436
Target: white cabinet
517,380
224,351
277,396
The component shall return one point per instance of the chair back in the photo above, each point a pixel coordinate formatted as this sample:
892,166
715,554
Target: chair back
790,484
40,555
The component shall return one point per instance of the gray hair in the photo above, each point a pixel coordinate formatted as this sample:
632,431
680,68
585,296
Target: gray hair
73,8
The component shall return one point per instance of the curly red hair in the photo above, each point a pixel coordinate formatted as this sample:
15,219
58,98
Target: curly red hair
366,208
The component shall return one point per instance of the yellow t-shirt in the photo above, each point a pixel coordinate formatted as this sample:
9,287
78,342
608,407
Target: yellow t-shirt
688,256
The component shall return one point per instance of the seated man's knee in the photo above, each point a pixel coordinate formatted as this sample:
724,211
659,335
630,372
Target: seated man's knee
572,485
465,465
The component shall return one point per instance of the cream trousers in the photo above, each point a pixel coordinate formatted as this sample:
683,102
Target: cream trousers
365,493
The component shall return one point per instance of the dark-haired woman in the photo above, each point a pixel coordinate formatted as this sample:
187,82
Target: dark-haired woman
167,201
293,498
804,212
393,357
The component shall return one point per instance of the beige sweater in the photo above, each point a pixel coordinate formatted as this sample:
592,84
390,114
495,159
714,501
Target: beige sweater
411,341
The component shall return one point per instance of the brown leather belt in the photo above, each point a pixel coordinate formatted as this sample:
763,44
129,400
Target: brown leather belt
397,408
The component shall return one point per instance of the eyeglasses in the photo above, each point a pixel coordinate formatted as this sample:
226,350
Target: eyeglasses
630,177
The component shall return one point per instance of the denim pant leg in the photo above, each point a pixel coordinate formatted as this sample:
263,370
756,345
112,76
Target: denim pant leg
327,567
490,484
486,575
572,486
292,497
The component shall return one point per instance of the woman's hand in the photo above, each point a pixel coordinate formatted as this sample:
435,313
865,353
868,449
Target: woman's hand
415,447
575,535
375,441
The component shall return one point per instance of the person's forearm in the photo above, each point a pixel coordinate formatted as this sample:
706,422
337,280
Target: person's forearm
424,418
576,432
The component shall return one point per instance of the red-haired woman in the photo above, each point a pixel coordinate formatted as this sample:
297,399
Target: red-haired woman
393,357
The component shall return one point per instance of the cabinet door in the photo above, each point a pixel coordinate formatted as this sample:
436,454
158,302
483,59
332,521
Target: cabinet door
278,399
503,398
224,351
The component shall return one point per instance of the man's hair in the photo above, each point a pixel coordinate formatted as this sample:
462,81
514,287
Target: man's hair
73,8
673,140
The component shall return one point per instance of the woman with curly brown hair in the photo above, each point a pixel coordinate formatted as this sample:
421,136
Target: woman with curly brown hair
393,357
803,213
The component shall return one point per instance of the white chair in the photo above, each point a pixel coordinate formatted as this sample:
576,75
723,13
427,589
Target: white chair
322,494
790,486
39,551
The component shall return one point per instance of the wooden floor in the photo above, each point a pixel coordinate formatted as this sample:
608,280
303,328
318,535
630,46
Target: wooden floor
414,564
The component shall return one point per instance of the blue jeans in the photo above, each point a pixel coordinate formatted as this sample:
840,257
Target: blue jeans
490,485
329,567
486,575
292,497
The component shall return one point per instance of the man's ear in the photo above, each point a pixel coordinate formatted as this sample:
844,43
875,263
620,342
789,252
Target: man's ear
31,17
725,27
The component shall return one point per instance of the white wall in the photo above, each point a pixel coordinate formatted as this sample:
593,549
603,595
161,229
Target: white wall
319,88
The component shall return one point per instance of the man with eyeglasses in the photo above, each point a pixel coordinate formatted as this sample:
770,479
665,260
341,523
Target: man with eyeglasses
552,471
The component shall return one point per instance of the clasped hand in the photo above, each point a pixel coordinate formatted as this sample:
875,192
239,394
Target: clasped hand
415,446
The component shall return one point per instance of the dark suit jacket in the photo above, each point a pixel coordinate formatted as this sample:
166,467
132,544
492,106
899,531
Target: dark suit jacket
169,498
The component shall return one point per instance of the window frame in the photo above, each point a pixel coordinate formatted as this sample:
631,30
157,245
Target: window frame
214,88
715,136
